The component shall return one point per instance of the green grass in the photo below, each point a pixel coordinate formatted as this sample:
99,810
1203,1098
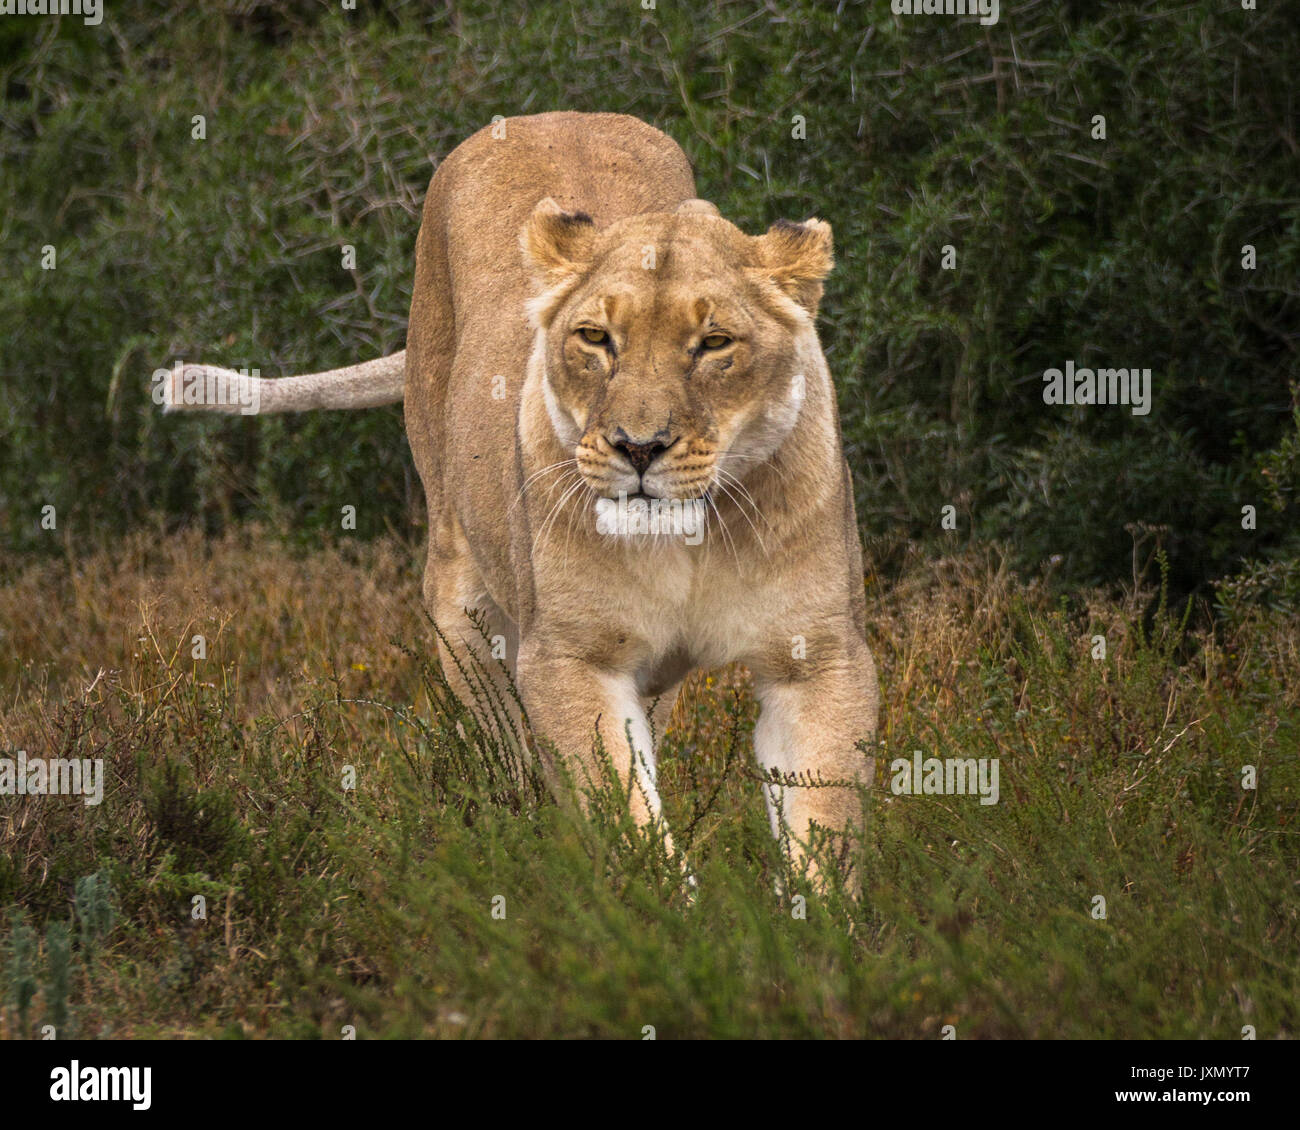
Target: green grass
373,906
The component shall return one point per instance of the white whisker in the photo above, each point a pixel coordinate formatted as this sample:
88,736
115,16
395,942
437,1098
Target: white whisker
726,490
748,497
538,474
556,508
722,525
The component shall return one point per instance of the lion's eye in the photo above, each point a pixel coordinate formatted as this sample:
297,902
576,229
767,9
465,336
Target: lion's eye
715,341
594,335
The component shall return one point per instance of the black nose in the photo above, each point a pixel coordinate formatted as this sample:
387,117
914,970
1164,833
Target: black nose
640,455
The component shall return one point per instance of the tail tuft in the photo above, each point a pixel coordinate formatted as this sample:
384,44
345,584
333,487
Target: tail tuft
210,388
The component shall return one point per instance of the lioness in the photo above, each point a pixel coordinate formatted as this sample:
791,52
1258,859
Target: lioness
588,341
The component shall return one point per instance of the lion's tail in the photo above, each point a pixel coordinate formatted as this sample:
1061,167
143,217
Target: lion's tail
208,388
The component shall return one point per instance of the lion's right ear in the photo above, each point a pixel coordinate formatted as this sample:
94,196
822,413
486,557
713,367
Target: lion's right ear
556,244
796,257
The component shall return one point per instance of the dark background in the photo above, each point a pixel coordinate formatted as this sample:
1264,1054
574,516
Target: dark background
324,126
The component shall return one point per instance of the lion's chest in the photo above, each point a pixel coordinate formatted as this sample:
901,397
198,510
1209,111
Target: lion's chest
690,613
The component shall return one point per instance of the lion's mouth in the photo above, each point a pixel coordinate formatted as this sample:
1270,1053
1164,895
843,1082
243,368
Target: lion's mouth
642,497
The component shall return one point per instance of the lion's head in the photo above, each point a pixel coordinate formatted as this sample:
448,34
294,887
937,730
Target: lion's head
671,341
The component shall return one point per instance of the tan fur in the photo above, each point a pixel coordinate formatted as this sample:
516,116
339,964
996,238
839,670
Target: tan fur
366,385
548,224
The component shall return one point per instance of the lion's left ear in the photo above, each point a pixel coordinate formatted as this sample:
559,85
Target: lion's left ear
797,257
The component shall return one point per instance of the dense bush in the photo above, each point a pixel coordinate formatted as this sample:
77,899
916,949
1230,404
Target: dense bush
323,127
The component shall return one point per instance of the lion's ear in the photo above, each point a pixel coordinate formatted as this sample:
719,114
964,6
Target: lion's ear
556,243
697,207
797,257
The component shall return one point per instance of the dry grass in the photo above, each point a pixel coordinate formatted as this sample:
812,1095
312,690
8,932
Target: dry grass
274,623
1119,776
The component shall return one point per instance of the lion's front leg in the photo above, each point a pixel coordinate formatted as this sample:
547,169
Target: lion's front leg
807,731
580,710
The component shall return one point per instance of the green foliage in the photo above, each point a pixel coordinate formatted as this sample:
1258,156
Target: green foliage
58,950
198,827
94,902
1279,469
1271,580
20,968
469,757
323,128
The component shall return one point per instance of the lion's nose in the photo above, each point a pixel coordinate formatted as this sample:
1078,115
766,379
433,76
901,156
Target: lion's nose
640,454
